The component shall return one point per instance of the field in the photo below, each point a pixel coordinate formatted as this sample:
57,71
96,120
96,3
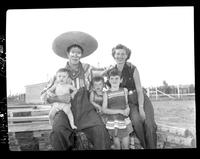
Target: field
178,113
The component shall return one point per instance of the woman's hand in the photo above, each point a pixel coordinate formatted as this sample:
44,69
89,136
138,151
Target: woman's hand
142,113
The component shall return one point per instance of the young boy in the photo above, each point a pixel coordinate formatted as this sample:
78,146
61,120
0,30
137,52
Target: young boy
96,95
62,86
115,104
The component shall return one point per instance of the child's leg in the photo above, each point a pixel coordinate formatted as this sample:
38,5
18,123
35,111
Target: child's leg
117,144
67,110
125,142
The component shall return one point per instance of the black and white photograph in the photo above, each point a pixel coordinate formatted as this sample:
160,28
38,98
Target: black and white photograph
113,78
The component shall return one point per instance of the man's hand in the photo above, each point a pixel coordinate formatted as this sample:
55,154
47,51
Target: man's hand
99,109
65,98
57,108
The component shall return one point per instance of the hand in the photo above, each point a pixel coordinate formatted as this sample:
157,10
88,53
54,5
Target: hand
72,96
65,98
123,112
99,109
50,94
142,113
57,107
74,126
127,111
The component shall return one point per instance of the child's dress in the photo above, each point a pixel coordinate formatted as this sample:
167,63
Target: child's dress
99,100
118,125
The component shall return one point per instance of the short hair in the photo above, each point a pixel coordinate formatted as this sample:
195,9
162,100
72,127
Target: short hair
120,46
96,79
75,45
114,72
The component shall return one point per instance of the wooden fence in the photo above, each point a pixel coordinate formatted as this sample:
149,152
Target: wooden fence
158,94
29,129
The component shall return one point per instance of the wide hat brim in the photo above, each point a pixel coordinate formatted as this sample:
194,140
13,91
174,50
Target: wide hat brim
62,42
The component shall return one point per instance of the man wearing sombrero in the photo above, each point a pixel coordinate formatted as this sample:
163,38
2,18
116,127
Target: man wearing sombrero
74,46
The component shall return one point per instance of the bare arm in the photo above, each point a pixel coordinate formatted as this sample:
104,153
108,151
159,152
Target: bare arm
97,106
138,86
140,94
50,91
127,110
43,95
105,108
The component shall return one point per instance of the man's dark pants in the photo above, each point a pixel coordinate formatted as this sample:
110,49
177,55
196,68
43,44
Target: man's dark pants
61,132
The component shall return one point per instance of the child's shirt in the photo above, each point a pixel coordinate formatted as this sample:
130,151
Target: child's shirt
98,98
116,100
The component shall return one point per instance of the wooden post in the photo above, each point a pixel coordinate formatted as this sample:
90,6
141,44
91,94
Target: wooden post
178,91
156,93
148,92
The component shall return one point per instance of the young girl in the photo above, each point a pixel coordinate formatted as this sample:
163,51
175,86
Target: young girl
62,86
96,95
115,104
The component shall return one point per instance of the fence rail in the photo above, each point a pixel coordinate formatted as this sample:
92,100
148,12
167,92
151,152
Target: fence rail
158,94
29,129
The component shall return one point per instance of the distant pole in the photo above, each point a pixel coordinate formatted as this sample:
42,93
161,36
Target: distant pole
156,94
148,92
98,65
178,91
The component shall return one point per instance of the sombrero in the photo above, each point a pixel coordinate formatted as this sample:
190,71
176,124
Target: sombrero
62,42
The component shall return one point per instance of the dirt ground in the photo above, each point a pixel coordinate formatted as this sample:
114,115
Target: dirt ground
178,113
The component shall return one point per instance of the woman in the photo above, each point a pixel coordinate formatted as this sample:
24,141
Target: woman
141,109
74,46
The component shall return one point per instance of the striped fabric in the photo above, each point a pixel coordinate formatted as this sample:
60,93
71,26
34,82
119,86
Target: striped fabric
116,100
98,98
80,82
118,124
115,94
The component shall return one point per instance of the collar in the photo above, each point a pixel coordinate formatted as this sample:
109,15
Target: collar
74,73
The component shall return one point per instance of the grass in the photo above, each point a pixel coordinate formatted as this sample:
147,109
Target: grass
178,113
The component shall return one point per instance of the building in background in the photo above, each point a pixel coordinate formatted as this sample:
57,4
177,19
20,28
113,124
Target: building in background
33,92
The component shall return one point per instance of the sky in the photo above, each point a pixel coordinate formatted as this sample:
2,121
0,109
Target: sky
161,40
